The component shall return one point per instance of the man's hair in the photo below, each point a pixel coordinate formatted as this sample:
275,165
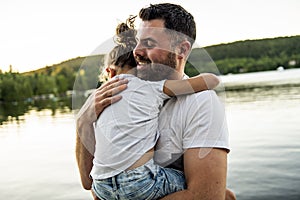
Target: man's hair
175,18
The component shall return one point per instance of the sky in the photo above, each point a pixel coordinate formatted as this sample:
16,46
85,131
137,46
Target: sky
39,33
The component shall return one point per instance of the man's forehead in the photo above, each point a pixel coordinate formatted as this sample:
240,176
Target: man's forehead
156,30
151,32
155,23
151,28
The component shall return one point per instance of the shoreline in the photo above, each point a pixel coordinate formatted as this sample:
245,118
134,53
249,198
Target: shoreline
266,79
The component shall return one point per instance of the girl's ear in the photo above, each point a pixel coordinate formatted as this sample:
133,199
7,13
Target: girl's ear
111,72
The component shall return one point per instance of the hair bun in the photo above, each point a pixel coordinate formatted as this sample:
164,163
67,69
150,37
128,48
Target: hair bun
122,27
125,33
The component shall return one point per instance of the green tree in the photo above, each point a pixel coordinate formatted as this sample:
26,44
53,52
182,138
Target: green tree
45,85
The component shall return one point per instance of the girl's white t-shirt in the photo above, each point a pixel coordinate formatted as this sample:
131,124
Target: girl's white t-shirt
127,129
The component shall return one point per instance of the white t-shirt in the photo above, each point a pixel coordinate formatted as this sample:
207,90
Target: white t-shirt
190,121
127,129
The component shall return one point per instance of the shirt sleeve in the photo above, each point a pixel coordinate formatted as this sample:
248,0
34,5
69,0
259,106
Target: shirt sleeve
206,124
158,86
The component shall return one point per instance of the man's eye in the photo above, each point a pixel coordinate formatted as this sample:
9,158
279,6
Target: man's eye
148,44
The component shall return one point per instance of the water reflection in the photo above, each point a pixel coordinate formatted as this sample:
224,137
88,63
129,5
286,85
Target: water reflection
11,111
14,111
263,94
264,138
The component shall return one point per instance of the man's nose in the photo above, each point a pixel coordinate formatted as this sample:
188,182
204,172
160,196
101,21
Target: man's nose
139,50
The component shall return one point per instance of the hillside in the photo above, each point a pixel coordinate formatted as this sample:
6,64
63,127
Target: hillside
70,66
247,56
51,80
82,72
236,57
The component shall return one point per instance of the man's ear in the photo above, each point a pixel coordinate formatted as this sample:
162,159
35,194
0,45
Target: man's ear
184,49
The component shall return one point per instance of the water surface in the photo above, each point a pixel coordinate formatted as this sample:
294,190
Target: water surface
38,159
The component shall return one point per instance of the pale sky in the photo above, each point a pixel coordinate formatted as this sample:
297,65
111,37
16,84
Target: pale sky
39,33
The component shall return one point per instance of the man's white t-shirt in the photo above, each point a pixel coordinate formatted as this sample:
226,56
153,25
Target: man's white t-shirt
190,121
127,129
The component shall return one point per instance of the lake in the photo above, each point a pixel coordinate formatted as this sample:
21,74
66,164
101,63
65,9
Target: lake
37,145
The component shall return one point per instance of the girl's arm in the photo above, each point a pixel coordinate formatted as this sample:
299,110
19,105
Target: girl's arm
204,81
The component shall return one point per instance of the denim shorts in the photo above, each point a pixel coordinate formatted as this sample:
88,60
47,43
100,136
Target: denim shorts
146,182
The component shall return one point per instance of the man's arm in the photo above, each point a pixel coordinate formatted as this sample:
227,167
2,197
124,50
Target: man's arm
206,143
85,163
205,177
191,85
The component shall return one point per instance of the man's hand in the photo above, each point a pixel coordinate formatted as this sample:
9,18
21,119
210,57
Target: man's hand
92,108
99,100
106,94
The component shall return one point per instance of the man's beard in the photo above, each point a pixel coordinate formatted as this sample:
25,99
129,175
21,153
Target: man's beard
158,71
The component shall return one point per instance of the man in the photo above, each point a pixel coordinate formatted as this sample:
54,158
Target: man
194,135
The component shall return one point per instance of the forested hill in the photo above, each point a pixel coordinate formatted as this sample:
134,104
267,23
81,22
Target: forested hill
248,56
236,57
51,80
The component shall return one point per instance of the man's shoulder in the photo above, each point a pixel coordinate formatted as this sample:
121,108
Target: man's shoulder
204,100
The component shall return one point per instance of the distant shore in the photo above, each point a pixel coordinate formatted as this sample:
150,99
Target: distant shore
282,78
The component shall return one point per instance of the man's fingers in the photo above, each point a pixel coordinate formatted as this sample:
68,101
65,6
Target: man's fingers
111,100
108,101
116,84
120,82
106,95
101,105
112,81
113,85
118,89
115,99
102,94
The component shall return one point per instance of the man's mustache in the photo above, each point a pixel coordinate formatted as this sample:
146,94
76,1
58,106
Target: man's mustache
142,59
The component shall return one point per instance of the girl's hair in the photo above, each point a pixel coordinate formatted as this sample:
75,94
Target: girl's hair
122,53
